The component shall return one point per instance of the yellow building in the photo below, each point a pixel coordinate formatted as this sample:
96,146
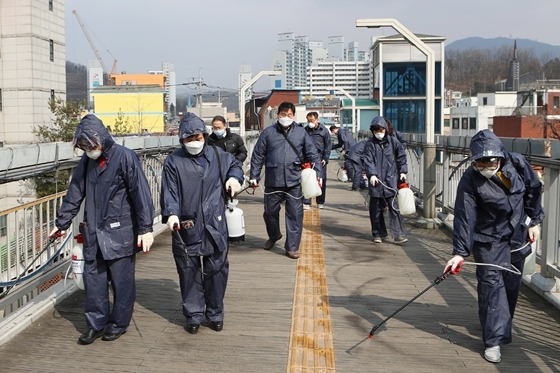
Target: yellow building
130,108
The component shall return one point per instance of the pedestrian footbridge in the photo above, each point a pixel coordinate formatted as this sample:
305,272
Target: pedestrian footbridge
283,315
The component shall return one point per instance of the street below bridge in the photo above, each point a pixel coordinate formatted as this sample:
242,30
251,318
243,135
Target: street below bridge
307,315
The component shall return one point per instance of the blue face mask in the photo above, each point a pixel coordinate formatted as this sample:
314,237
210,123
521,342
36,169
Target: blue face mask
220,133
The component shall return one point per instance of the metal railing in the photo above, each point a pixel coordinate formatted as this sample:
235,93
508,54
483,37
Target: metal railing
21,246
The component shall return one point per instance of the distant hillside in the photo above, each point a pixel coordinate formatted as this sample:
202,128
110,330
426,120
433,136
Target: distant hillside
539,48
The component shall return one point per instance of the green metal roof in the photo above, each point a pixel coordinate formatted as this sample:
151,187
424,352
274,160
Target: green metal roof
360,102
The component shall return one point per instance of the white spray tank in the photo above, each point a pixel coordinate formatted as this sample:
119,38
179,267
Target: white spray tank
343,174
405,198
78,262
309,183
235,221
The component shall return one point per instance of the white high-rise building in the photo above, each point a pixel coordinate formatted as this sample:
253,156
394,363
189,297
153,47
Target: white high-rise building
354,77
293,56
297,57
32,66
337,52
170,86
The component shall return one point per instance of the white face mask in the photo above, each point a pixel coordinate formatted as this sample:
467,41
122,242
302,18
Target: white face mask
379,136
194,147
488,173
94,154
285,122
220,133
311,125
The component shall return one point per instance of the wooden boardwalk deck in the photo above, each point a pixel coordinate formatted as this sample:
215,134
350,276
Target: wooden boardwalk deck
366,282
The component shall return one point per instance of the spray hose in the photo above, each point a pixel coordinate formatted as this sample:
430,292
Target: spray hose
49,243
277,191
513,268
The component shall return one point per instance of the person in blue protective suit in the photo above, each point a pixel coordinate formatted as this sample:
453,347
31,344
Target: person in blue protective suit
355,158
118,216
322,139
223,138
392,132
194,183
497,212
283,148
345,141
385,164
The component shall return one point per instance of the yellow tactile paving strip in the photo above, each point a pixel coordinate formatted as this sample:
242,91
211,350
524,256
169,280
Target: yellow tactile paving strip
311,342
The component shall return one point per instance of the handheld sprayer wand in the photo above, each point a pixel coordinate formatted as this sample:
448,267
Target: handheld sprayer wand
437,281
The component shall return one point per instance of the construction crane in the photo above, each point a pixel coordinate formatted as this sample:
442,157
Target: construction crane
90,40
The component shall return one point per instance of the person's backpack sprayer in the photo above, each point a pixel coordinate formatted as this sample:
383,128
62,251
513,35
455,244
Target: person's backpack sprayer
234,219
78,262
342,174
309,184
405,198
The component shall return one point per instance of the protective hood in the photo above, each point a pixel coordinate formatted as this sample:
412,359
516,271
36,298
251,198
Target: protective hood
191,125
91,131
378,121
486,144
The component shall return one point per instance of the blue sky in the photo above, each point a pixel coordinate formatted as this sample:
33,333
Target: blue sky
217,36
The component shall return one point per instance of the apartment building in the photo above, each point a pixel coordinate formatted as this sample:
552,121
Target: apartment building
354,77
32,66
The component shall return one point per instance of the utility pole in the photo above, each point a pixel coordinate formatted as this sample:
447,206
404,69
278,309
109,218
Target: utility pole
200,92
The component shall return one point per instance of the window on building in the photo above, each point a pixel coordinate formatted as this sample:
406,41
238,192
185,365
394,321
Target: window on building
556,102
51,5
464,123
484,101
472,123
455,123
51,49
446,122
52,94
3,225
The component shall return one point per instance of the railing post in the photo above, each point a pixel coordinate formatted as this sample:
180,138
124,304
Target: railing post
445,181
545,281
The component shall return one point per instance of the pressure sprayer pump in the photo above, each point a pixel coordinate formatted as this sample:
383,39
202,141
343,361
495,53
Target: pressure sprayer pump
405,198
78,262
309,184
235,221
342,174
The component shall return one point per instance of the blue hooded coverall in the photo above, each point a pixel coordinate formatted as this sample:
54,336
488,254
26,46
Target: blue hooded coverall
193,189
386,159
282,178
345,141
118,208
321,136
355,158
490,220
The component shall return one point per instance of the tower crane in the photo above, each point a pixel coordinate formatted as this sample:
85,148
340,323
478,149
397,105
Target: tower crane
96,51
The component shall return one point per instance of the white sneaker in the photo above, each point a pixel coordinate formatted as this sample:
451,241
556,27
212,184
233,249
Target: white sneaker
320,205
493,354
306,207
